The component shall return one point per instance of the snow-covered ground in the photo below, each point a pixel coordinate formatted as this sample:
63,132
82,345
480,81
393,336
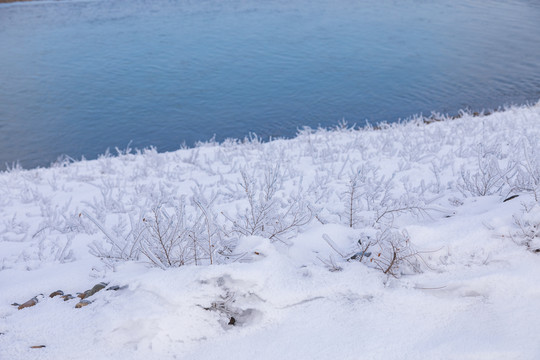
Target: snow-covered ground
387,243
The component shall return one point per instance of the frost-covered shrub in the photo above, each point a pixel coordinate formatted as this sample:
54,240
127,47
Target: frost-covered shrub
171,240
366,191
527,228
527,178
55,249
388,251
393,253
487,179
165,237
372,199
120,244
267,214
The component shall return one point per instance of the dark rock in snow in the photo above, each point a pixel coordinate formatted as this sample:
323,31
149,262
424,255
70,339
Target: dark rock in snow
510,198
116,287
360,254
33,301
67,297
56,293
92,291
82,303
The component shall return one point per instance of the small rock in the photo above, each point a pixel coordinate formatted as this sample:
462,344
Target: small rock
93,290
116,287
67,297
82,303
56,293
232,321
33,301
83,294
360,255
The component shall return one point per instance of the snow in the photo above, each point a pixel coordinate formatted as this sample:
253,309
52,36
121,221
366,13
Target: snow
261,233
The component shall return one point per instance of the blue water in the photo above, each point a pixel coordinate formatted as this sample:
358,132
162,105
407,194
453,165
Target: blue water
77,77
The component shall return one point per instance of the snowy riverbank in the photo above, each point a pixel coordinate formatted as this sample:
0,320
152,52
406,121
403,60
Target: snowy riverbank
394,243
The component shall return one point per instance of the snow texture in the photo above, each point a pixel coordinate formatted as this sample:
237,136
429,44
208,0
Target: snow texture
404,241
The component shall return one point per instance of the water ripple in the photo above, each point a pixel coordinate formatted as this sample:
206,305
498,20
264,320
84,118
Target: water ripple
77,77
